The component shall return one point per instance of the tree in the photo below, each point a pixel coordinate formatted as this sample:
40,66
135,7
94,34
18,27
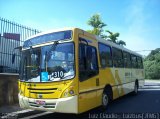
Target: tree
152,64
98,25
121,42
113,37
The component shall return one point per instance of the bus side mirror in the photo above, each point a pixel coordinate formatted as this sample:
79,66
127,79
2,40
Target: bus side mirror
13,58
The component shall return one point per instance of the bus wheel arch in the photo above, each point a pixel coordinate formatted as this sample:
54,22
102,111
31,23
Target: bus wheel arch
107,96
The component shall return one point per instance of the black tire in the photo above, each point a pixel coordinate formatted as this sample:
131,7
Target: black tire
105,100
135,92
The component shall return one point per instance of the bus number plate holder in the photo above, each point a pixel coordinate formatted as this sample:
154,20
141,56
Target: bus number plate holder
40,102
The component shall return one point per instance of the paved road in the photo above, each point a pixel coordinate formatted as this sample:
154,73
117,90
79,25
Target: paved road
147,101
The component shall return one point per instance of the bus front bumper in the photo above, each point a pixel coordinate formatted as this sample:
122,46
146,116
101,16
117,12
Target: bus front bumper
63,105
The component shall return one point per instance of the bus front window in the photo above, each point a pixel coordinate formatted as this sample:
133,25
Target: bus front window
46,64
29,66
58,62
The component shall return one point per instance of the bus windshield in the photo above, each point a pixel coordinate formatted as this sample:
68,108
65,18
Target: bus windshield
47,64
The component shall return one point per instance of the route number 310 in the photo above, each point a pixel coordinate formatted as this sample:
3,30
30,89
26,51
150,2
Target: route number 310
58,74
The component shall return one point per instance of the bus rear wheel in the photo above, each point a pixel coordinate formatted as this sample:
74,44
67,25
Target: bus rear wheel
135,92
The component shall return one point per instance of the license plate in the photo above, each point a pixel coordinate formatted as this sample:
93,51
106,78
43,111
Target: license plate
40,102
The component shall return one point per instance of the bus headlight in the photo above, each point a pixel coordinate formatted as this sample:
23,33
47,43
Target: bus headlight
68,92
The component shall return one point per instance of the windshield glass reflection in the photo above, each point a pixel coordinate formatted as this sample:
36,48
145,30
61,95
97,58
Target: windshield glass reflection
46,64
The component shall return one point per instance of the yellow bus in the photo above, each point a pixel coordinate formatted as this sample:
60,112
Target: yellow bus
72,71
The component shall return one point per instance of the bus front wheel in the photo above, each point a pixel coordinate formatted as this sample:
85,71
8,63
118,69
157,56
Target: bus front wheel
105,100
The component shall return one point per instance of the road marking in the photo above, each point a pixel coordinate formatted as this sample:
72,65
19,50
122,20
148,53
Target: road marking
147,89
37,115
14,114
23,111
151,85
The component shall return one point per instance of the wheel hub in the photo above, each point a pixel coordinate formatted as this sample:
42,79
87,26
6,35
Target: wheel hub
105,99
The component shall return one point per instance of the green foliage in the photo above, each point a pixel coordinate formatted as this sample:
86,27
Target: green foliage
95,31
121,42
113,37
152,64
96,22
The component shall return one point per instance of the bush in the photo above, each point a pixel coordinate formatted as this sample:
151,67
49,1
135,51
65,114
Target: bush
152,65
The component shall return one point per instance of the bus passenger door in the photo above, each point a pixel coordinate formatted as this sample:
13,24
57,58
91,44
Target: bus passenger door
88,77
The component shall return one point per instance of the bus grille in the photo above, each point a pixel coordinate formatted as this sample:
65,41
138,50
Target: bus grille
42,90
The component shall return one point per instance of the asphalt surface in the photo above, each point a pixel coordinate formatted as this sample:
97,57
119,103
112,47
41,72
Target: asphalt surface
146,102
145,105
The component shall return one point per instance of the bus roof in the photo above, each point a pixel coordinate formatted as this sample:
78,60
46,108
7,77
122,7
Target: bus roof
50,31
107,42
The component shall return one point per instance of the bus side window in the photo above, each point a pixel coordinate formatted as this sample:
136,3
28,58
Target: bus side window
88,63
134,61
140,63
127,59
117,58
105,55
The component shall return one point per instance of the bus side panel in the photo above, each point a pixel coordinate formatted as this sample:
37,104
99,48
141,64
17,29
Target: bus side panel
140,77
119,76
107,78
99,97
88,88
129,86
87,95
124,83
135,75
